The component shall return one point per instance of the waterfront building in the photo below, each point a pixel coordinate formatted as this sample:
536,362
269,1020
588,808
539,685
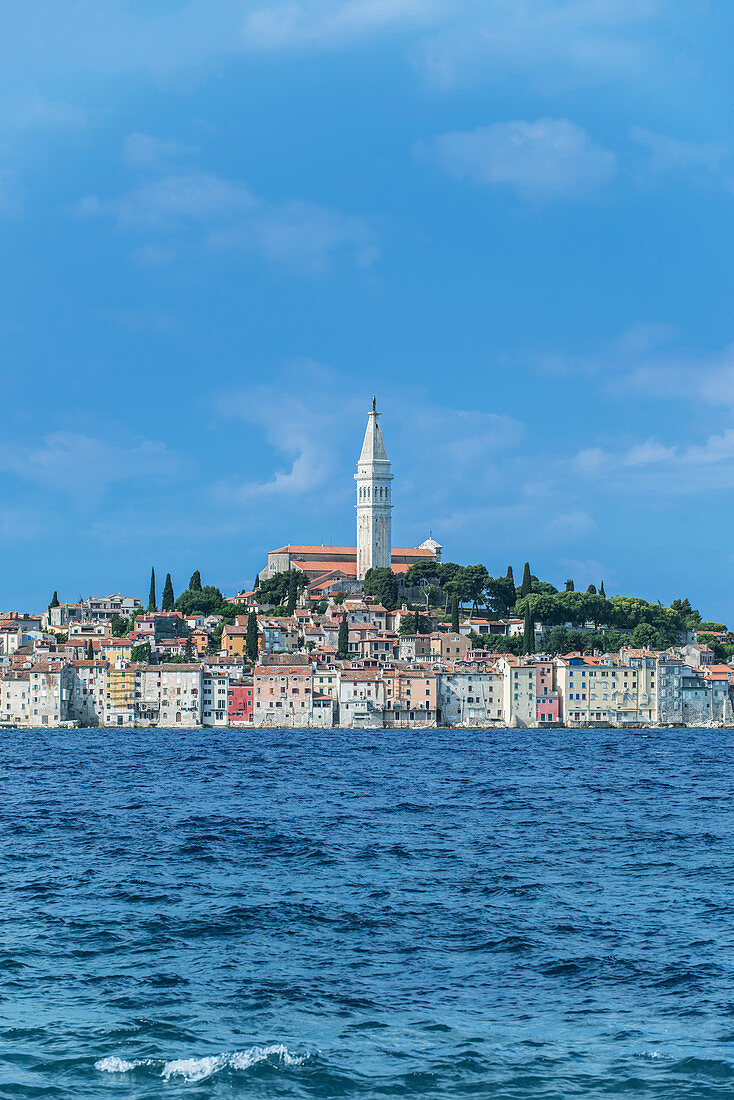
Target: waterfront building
240,702
169,694
215,701
471,696
603,689
37,697
283,688
411,696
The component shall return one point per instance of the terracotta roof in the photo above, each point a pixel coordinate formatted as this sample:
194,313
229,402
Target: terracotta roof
298,549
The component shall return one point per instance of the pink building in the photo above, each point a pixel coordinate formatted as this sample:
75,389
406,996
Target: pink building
240,702
547,698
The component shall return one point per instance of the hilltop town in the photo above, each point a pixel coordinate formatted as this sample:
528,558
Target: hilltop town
366,636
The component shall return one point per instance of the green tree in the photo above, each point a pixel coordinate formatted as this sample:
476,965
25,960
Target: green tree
383,585
528,637
569,585
455,615
195,582
209,601
120,626
90,650
527,584
151,598
601,590
167,599
292,592
415,623
140,654
214,643
499,594
189,651
274,590
544,587
644,635
251,636
469,583
510,576
342,645
425,570
257,583
54,600
591,590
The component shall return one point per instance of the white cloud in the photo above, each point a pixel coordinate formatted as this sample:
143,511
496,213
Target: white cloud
75,463
459,42
144,151
570,524
703,160
546,42
38,111
195,209
325,24
543,160
653,466
647,359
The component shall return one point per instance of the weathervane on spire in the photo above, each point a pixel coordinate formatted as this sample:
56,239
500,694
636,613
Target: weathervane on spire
374,403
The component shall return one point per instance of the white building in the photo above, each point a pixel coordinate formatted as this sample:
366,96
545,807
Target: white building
373,477
471,698
214,704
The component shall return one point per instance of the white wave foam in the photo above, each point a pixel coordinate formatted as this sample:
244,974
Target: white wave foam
198,1069
115,1065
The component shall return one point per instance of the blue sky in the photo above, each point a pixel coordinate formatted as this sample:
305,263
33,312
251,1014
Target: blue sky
223,224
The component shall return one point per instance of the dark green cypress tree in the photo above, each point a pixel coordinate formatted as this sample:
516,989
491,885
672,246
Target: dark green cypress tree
251,637
189,651
569,585
510,575
528,638
601,590
90,650
151,597
455,615
292,592
591,590
257,583
167,599
527,585
342,646
54,600
195,582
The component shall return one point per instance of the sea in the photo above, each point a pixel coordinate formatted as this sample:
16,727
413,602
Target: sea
366,914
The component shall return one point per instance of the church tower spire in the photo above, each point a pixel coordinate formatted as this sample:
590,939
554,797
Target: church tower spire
373,479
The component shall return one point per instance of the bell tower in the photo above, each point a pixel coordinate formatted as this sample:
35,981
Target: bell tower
373,477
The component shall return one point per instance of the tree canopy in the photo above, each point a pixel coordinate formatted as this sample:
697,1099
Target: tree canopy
415,623
274,590
383,585
167,599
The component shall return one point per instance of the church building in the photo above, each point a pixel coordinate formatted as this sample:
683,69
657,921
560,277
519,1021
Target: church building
343,568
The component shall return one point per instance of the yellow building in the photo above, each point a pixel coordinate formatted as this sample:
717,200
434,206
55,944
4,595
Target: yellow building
115,649
234,640
602,689
120,696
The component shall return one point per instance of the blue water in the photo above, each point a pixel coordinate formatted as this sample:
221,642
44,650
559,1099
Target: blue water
412,914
